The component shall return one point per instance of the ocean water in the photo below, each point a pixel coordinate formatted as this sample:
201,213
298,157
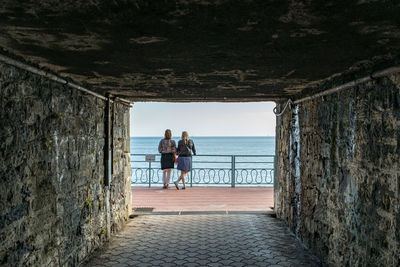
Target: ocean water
253,160
212,145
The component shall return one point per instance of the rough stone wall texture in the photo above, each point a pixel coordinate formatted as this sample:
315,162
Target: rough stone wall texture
121,183
339,174
52,192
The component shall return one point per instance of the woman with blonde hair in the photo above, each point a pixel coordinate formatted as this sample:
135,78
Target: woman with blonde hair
167,148
185,151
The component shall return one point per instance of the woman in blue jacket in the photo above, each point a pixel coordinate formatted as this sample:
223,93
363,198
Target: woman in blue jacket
185,151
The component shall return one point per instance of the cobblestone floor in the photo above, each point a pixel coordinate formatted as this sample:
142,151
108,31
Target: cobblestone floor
204,240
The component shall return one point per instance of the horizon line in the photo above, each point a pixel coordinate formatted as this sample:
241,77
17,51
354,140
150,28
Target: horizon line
215,136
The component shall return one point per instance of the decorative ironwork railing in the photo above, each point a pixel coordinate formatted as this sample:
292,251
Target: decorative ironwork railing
208,170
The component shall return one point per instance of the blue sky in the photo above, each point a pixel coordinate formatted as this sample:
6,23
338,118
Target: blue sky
203,119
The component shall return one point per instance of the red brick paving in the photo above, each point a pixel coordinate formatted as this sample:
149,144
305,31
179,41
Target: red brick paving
204,198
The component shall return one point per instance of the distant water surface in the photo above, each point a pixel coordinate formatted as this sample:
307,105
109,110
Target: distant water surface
215,145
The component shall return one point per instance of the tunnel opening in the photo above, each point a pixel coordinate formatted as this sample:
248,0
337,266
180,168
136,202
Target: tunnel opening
232,171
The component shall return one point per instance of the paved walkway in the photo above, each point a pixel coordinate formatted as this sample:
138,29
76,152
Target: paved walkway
203,199
204,240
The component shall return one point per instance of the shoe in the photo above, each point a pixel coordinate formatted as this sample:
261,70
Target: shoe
176,185
183,188
164,187
167,186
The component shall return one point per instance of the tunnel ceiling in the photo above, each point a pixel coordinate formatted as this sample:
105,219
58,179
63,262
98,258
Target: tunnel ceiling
203,50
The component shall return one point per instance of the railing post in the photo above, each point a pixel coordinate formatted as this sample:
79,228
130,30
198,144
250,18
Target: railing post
191,177
233,171
149,173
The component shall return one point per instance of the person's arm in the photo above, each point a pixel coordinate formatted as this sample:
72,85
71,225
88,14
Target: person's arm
193,149
160,147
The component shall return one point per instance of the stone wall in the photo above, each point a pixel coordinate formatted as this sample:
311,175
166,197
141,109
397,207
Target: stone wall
120,194
52,192
338,174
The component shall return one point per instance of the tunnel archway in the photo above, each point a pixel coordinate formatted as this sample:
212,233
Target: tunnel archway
233,169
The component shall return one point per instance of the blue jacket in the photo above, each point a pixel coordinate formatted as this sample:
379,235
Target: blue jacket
186,150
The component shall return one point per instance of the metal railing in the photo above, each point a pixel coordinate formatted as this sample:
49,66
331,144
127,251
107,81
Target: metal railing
225,170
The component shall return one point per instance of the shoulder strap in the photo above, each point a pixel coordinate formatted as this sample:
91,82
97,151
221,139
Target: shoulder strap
169,145
183,148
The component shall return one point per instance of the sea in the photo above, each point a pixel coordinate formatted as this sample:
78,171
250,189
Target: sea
213,145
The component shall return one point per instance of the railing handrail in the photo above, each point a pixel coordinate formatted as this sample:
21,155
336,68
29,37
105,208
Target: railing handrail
209,155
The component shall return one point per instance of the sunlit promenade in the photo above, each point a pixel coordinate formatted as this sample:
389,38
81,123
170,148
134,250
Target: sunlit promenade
156,199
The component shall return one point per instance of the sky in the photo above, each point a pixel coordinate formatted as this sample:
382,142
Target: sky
203,119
